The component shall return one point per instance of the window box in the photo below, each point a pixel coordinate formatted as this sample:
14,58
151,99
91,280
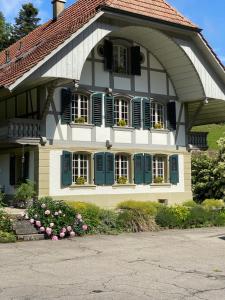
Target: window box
83,186
123,128
163,130
126,185
79,125
155,185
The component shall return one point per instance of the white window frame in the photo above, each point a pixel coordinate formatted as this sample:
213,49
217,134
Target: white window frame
159,167
118,57
120,159
157,114
81,97
120,112
79,160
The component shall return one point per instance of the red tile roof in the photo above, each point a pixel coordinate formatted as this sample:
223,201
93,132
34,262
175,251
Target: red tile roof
33,48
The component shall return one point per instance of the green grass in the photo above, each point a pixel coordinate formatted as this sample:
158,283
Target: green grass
215,132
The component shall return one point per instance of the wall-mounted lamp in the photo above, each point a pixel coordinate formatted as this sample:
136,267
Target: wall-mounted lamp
43,140
76,84
108,91
108,144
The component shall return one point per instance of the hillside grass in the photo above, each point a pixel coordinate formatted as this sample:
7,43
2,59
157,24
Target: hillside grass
216,131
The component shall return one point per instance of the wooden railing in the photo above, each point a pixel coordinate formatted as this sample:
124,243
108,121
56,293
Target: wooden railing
198,140
20,128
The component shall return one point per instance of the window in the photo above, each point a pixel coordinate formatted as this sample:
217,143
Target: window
80,168
120,59
121,112
157,115
122,167
80,108
159,169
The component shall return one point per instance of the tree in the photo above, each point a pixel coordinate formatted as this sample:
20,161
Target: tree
5,33
26,21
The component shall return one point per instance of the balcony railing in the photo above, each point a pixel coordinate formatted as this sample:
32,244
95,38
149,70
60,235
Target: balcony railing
198,140
18,129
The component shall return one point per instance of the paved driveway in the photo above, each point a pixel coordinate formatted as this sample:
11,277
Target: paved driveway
187,264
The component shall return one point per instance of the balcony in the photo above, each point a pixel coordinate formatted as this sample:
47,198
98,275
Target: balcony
197,140
20,131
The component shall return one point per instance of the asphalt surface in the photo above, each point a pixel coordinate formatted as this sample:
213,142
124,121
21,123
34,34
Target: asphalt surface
166,265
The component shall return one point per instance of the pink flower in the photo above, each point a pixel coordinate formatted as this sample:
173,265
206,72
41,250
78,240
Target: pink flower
69,228
42,229
84,227
62,235
72,234
63,230
31,221
47,212
54,238
48,231
52,225
43,205
79,217
38,223
56,213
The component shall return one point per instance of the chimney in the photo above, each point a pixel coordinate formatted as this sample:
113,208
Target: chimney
58,7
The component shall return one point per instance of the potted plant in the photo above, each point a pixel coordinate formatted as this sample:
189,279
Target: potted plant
80,120
24,195
122,123
158,179
80,180
158,125
122,180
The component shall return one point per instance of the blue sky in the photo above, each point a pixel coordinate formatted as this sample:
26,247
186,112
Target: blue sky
207,14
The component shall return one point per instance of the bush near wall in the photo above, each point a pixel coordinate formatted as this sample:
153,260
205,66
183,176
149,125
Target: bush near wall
6,234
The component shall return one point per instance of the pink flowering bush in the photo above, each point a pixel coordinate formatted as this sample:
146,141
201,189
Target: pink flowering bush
56,219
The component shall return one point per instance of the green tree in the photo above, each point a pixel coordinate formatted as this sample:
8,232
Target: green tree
26,21
5,33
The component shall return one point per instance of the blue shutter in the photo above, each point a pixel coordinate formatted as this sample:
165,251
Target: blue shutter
135,60
109,168
146,113
174,169
109,111
171,115
136,115
138,169
99,168
108,55
66,98
97,109
147,168
66,168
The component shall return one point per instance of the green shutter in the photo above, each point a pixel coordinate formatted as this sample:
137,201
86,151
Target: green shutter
12,170
147,168
97,109
109,169
146,113
174,169
109,111
66,168
138,169
171,115
99,168
66,98
136,115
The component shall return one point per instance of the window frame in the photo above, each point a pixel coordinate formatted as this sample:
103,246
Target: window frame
156,118
156,160
119,47
119,166
79,108
79,173
120,112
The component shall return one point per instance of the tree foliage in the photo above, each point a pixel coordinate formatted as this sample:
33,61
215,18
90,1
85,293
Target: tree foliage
5,32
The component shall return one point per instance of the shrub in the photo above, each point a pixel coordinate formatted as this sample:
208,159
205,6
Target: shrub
219,218
108,222
80,120
5,223
172,216
189,203
2,197
7,237
144,206
198,217
213,204
24,192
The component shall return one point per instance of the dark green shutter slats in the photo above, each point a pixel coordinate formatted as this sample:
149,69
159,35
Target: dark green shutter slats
66,168
99,160
138,169
12,170
97,109
147,168
109,111
174,169
136,113
66,98
146,113
135,60
109,168
171,115
108,55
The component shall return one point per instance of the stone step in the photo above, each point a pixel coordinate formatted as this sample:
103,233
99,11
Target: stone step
30,237
23,227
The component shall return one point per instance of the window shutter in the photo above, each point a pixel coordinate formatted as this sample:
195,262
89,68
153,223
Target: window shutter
174,169
66,168
108,55
97,109
138,169
171,115
12,170
109,111
109,170
146,113
136,116
66,98
147,168
26,165
99,168
135,60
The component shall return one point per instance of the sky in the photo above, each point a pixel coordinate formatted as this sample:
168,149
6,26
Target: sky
207,14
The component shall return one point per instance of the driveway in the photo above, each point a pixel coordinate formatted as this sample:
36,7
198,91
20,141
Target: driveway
188,264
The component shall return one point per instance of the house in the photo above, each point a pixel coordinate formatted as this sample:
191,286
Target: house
97,104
